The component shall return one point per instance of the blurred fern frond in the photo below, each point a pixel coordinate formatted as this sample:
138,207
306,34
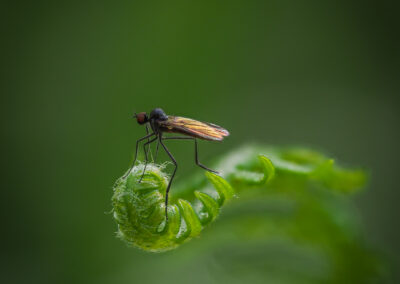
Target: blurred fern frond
286,204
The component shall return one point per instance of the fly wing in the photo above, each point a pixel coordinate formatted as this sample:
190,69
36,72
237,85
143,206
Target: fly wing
191,127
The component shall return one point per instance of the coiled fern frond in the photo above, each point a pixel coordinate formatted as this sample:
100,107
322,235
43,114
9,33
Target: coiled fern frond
249,172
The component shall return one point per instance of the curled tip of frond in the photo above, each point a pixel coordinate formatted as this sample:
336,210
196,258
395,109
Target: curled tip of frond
139,210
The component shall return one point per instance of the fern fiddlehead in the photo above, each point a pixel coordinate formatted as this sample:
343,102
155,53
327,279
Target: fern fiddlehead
139,207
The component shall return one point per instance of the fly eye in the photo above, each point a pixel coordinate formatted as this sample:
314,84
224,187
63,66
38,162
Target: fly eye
141,118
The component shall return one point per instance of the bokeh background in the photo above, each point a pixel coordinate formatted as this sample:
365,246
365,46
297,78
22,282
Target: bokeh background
317,73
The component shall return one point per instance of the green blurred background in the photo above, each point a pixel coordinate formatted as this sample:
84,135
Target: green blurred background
318,73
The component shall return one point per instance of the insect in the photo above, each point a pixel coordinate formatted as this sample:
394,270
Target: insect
161,123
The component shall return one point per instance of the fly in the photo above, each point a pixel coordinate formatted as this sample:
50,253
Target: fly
161,123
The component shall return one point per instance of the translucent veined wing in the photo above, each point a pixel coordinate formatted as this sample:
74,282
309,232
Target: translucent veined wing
191,127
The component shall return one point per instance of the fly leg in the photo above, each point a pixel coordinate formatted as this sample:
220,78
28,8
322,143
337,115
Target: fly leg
146,156
136,152
196,156
172,177
148,139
